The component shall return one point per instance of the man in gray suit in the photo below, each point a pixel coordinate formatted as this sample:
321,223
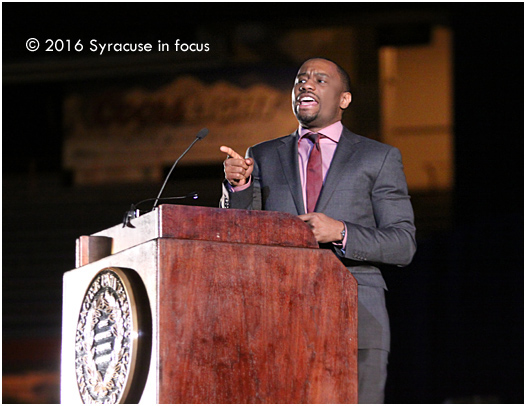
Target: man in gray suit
362,213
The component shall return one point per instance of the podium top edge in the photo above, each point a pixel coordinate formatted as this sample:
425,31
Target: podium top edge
213,224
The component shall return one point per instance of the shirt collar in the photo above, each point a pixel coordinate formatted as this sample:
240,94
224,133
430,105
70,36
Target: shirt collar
333,131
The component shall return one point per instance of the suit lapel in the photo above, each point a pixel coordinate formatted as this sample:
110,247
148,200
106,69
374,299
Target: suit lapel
288,154
347,146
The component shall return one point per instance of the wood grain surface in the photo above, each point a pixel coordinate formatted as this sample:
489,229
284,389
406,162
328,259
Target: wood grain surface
243,323
236,226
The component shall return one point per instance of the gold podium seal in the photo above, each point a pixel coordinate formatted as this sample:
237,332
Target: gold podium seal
106,343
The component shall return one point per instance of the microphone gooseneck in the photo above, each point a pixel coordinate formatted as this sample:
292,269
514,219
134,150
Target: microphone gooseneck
200,135
134,212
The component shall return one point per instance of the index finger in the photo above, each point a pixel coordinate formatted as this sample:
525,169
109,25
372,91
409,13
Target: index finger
230,152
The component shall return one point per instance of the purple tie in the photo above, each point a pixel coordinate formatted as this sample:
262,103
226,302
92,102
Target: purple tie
314,173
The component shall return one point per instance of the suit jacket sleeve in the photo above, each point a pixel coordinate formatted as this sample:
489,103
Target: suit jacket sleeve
392,241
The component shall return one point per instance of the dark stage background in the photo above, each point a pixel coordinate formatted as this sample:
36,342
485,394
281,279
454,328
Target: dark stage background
456,311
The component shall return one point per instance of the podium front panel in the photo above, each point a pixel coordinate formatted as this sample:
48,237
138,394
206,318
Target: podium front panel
255,324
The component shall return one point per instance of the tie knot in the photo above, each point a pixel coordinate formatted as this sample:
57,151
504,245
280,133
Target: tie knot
314,137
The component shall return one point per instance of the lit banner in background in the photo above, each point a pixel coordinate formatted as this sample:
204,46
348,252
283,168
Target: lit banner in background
132,135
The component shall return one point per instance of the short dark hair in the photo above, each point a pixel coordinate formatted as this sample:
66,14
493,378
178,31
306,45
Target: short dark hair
346,80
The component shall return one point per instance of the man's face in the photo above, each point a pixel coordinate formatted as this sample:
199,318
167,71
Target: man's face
318,96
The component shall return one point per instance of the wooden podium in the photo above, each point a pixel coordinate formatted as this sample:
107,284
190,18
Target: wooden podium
205,305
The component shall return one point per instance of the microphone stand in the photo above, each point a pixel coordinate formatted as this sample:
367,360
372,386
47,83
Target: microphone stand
134,212
169,173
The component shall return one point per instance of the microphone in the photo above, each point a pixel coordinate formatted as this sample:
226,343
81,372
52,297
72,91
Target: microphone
134,212
200,135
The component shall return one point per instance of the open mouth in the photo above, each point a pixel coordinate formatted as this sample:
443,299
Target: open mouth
306,101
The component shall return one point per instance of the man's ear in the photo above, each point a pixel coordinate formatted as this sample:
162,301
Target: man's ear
345,100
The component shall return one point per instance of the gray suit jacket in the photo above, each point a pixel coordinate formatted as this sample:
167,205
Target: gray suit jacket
366,188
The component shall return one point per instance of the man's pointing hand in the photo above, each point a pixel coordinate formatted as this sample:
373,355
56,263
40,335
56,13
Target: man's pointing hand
237,168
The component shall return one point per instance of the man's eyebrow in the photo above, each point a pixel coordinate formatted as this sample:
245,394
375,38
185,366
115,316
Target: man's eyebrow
316,74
